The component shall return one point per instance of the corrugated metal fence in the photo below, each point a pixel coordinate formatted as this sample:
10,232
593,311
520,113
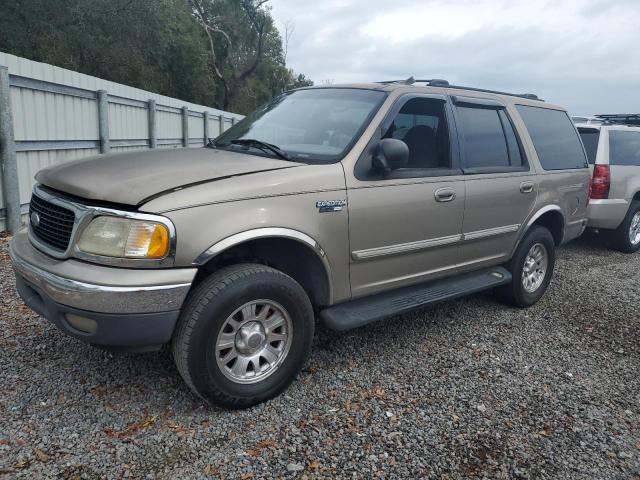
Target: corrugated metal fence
59,115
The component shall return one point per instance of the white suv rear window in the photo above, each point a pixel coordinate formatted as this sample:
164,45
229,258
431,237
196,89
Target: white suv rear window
590,139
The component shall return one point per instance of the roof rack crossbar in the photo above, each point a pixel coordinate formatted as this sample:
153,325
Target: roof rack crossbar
411,81
437,82
406,81
605,115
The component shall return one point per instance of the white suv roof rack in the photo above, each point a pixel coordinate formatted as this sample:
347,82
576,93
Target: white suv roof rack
631,119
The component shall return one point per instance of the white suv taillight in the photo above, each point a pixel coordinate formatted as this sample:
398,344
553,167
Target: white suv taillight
600,182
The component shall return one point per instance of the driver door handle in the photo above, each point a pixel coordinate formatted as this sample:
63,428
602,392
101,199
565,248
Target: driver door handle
445,194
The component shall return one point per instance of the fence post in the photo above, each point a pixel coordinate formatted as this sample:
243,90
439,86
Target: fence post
10,187
221,120
185,126
205,124
103,121
153,136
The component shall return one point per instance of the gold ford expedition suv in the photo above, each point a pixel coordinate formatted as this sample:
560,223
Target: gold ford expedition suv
345,203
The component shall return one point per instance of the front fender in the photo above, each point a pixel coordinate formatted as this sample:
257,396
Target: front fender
205,231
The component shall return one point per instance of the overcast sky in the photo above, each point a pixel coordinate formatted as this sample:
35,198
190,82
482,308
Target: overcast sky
583,54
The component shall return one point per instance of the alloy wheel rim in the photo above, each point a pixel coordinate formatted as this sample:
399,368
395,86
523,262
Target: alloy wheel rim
535,267
253,341
634,229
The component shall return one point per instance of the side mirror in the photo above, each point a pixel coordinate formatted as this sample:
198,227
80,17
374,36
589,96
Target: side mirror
391,154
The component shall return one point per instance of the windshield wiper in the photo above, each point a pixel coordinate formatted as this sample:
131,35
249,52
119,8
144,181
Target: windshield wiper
264,146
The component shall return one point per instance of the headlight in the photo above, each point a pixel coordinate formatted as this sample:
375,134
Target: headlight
125,238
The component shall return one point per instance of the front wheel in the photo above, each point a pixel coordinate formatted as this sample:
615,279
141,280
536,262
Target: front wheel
531,267
243,335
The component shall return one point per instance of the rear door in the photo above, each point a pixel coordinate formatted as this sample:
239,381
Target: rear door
564,178
405,226
501,186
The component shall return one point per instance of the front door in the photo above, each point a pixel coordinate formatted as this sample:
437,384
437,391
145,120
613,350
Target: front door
405,226
501,187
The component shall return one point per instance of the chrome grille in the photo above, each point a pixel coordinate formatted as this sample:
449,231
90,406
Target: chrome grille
51,224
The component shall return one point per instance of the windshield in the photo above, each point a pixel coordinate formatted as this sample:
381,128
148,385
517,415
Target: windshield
313,125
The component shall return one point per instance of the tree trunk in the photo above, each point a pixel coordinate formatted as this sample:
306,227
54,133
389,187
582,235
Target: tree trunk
226,96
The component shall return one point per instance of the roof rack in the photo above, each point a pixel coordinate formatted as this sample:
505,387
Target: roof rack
620,118
438,82
433,82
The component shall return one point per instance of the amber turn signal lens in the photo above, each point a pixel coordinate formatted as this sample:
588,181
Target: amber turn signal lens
159,242
147,240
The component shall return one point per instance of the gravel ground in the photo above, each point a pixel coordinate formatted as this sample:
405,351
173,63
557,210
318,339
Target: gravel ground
466,389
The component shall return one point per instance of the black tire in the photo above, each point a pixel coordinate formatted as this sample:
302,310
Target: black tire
204,314
620,237
515,293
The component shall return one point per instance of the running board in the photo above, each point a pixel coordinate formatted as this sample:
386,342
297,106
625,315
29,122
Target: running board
355,313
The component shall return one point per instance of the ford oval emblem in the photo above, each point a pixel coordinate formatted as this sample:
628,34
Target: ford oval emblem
35,219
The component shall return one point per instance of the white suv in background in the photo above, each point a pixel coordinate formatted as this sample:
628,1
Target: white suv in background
614,155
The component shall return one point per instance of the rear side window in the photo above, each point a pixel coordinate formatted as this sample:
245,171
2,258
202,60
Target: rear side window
489,140
554,138
590,139
624,148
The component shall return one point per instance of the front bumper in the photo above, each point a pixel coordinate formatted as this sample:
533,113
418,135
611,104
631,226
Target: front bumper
607,214
132,308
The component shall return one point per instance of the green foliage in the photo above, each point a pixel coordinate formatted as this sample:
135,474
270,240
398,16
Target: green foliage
156,45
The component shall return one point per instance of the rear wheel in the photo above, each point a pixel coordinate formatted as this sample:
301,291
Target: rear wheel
626,238
531,267
243,335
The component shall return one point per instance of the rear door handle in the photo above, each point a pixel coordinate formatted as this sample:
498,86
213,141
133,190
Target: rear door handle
526,187
445,195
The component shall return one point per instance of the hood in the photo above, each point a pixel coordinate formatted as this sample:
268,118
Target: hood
134,178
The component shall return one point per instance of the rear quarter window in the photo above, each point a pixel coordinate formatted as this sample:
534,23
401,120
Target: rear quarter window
590,139
554,137
624,148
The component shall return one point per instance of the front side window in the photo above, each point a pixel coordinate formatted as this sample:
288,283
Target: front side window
590,139
624,148
312,125
554,137
422,125
488,139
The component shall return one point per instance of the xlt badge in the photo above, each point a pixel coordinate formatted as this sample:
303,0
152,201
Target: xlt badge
325,206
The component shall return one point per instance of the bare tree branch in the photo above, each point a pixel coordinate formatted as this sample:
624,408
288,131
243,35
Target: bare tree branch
200,16
289,28
258,20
